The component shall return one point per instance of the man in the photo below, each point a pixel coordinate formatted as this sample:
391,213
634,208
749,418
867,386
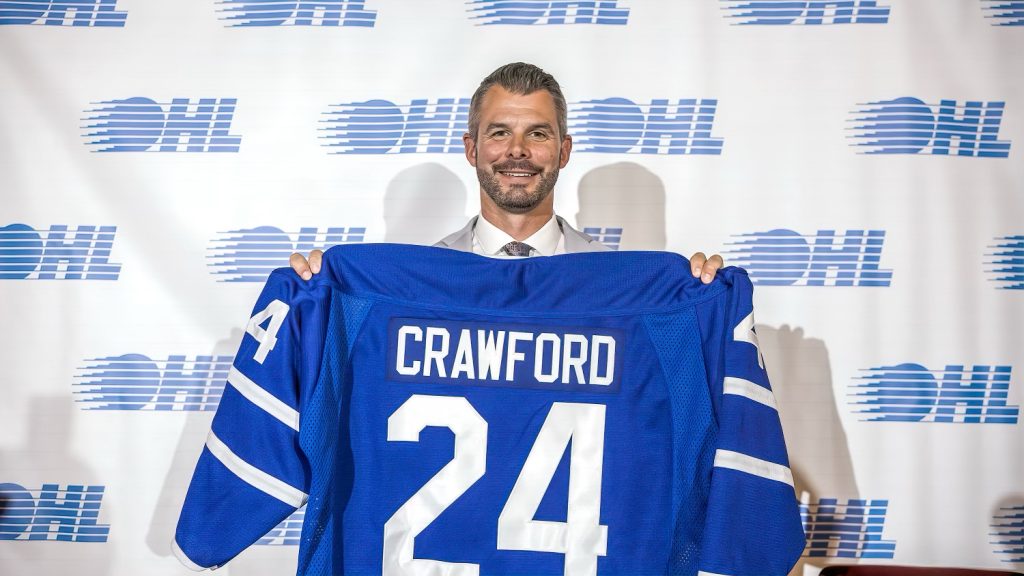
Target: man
518,141
370,356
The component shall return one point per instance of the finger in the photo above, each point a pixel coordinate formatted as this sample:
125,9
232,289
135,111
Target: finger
710,268
300,266
315,257
697,263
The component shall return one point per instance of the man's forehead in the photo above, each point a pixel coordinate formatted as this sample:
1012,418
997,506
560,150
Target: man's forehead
498,98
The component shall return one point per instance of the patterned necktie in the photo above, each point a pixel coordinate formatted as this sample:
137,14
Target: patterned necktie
515,248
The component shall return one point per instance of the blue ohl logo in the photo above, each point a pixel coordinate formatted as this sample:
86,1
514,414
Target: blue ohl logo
784,257
59,253
135,382
251,254
1004,12
620,126
89,13
382,127
297,13
52,513
812,12
1008,531
1008,262
908,125
547,12
913,393
610,125
142,125
287,533
849,530
610,237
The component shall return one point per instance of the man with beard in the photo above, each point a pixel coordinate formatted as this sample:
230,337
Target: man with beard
518,141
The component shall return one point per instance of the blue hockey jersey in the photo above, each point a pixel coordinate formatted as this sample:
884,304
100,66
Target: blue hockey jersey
442,413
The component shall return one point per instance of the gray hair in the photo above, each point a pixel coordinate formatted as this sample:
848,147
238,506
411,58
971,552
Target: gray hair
519,78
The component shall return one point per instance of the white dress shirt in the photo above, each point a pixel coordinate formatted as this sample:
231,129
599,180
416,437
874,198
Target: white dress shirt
488,239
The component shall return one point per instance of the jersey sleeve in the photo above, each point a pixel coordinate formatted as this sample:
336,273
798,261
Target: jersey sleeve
752,525
251,473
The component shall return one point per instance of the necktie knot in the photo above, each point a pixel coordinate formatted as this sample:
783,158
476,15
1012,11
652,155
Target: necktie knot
515,248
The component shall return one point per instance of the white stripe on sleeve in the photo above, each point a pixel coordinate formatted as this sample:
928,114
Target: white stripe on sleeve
253,475
755,466
265,400
748,389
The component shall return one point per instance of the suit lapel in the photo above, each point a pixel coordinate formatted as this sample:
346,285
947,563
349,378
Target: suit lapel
575,241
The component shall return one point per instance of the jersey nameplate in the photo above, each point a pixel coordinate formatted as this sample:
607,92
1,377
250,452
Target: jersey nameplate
567,358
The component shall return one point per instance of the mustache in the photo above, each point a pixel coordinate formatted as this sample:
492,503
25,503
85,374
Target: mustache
513,166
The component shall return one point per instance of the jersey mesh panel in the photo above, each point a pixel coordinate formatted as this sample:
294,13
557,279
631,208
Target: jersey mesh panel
327,414
677,339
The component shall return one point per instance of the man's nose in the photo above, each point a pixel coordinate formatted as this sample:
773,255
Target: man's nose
517,147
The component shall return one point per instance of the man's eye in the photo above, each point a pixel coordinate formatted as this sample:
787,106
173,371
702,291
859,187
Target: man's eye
539,135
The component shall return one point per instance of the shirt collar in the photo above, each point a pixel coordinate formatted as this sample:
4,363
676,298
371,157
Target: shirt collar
491,238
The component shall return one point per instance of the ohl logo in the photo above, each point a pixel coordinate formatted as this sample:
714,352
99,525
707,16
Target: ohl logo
297,13
813,12
382,127
82,253
135,382
908,125
618,125
1008,529
913,393
140,124
1004,12
91,13
784,257
52,513
610,237
287,533
544,12
251,254
850,530
1008,262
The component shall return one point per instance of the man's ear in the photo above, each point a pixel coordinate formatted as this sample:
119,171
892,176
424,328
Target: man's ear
469,143
566,150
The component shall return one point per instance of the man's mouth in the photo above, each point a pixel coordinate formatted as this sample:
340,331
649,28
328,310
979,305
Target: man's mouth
517,170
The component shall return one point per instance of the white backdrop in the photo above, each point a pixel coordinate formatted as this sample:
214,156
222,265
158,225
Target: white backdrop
123,287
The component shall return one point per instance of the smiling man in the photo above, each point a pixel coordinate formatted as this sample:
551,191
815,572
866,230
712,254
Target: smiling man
518,141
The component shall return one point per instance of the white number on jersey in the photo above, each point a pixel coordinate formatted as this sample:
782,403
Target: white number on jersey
276,311
581,538
439,492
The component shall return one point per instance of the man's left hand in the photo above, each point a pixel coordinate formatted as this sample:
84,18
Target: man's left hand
705,268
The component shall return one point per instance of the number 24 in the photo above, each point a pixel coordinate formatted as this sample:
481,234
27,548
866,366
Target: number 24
581,538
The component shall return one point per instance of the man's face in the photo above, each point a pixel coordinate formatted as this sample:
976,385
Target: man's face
517,150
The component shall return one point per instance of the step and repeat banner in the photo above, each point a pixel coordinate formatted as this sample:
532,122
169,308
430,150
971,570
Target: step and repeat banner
859,158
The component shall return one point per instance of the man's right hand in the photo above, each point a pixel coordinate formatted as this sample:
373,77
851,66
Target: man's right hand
306,268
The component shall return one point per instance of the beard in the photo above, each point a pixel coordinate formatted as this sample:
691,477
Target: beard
516,198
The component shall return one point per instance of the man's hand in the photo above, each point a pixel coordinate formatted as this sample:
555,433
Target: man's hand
700,265
306,268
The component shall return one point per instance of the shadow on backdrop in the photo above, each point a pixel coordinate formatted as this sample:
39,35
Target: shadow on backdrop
423,204
819,454
624,196
49,459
